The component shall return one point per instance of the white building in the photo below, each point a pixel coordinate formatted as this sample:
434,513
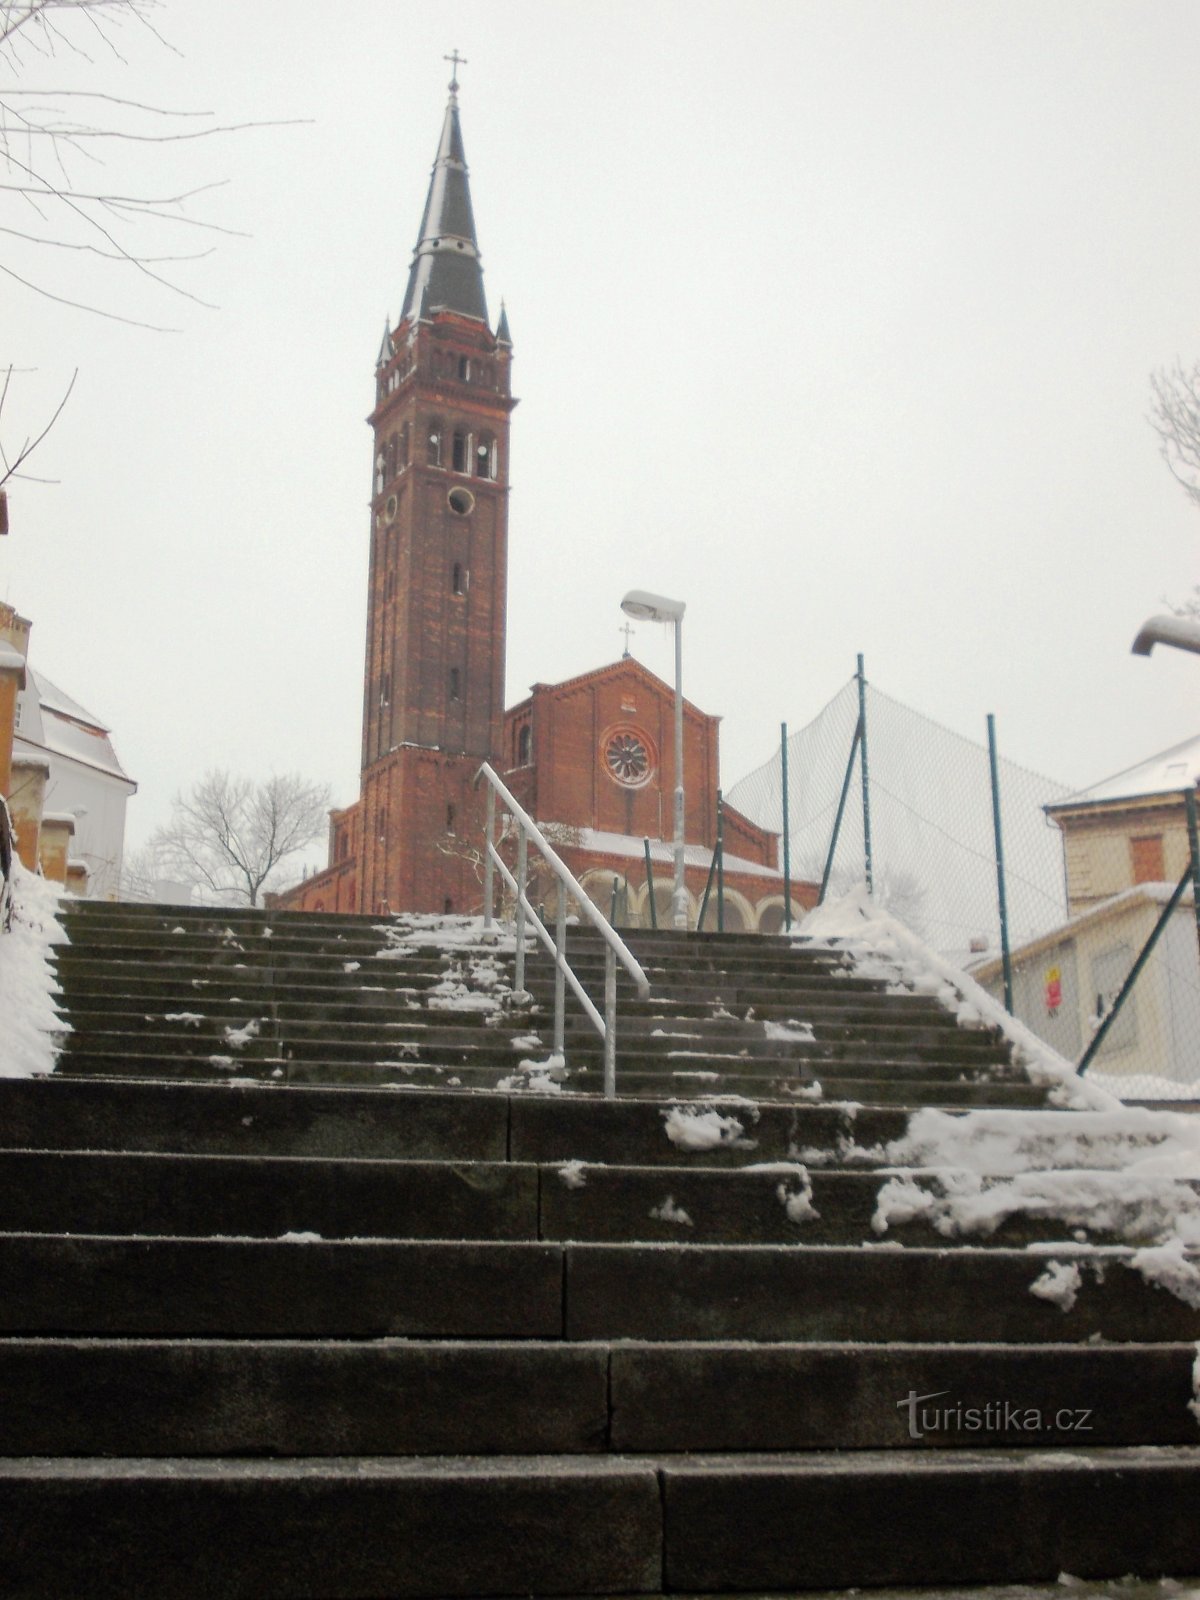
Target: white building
85,778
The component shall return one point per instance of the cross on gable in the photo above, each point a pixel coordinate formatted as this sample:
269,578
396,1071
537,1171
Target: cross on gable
456,61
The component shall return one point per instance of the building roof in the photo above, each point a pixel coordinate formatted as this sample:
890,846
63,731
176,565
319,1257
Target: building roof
1170,772
626,666
54,723
1115,907
446,272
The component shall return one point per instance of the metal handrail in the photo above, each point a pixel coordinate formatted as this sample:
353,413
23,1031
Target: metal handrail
615,948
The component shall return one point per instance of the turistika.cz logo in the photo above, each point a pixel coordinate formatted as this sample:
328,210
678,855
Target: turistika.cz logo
996,1416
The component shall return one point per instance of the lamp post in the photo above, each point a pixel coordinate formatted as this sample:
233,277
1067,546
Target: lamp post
1181,632
657,608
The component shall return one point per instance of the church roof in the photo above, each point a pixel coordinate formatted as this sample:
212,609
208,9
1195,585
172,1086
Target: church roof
1170,772
51,722
446,273
626,666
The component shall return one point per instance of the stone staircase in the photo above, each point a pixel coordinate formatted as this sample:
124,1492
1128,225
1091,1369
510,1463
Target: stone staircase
318,1338
308,999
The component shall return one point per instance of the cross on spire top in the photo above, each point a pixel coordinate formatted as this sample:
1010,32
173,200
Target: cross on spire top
456,61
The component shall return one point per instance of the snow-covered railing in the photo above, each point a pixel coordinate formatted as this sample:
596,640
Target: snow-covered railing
615,948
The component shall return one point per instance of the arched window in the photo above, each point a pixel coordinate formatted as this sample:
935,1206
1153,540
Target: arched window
464,368
458,580
390,459
485,457
433,445
524,746
461,451
455,684
379,466
403,459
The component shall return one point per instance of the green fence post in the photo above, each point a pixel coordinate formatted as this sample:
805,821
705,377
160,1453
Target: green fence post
650,886
787,855
1189,801
837,821
866,783
1002,898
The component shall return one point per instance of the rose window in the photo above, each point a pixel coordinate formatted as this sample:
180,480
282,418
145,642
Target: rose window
628,759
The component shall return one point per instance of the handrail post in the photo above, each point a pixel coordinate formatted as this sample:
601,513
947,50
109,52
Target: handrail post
1001,891
560,980
610,1023
868,865
489,870
720,863
787,850
522,860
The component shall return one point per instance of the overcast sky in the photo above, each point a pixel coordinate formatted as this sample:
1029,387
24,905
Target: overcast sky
833,319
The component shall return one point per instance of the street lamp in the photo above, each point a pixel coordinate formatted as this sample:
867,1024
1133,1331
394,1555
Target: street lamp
657,608
1178,631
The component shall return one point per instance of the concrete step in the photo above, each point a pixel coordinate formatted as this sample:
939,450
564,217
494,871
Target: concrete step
253,1288
856,1519
227,1119
404,1072
201,1397
265,1196
174,1195
324,1529
564,1525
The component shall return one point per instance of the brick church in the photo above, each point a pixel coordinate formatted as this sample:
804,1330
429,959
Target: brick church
593,756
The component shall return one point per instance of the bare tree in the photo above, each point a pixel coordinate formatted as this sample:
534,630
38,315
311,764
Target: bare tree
1175,418
230,835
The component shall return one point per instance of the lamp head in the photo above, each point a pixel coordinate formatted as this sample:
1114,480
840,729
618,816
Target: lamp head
649,607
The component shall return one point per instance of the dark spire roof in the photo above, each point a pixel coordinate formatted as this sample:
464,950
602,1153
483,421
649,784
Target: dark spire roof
503,336
446,273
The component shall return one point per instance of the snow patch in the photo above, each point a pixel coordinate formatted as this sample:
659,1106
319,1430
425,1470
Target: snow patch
300,1238
704,1130
572,1174
801,1032
1059,1284
190,1019
238,1038
670,1212
32,1031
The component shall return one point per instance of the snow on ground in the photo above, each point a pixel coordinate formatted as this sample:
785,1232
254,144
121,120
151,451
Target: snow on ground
877,945
704,1129
31,1031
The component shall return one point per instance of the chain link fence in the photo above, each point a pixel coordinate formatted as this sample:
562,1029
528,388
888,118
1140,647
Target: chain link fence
1078,911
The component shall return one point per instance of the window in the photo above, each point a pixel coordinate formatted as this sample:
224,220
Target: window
450,819
458,580
403,453
455,684
385,688
524,745
460,451
379,466
464,368
433,445
485,457
1147,858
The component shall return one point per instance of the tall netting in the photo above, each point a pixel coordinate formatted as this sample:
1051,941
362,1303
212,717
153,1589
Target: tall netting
1086,879
930,816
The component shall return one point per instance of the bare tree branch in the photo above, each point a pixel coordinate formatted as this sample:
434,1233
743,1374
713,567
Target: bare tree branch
1175,418
12,469
231,835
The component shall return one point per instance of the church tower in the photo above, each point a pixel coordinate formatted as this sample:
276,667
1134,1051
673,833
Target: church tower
433,700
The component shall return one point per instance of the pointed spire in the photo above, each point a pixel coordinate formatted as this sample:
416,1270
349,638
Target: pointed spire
446,273
503,336
385,345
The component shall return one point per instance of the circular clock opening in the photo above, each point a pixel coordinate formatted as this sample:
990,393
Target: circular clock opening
462,502
390,510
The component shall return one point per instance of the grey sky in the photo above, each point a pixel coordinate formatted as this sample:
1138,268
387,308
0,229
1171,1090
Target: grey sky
835,320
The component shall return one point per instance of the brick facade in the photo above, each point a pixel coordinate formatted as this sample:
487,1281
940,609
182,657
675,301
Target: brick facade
596,753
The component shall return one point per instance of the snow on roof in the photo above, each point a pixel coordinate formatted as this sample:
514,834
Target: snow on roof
1173,770
67,730
52,698
1153,894
10,657
624,844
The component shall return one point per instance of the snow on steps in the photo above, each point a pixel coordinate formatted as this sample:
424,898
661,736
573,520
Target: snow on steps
264,1338
165,992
